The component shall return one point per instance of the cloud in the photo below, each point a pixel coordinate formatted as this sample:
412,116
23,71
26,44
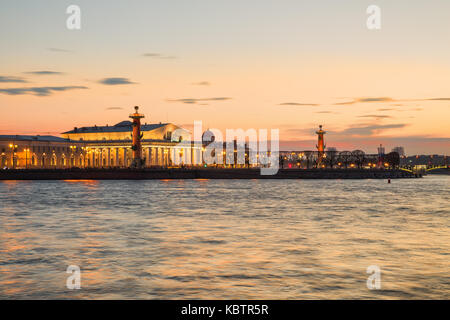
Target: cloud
300,131
12,79
114,108
368,130
196,101
201,83
39,91
44,72
58,50
158,56
388,99
376,116
298,104
366,100
437,99
116,81
383,99
359,130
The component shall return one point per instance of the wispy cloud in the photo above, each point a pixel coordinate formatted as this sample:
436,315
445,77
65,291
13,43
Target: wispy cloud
116,81
369,130
196,101
201,83
388,99
156,55
366,129
365,100
375,116
12,79
44,73
300,132
385,109
39,91
114,108
298,104
58,50
437,99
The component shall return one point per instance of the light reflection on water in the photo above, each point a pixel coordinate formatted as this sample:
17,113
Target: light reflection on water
225,239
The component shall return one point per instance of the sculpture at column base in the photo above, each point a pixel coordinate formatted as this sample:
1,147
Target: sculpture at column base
137,163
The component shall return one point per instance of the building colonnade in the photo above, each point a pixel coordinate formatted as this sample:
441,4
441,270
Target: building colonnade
121,156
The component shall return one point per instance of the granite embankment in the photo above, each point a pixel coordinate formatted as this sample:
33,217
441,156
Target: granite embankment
204,173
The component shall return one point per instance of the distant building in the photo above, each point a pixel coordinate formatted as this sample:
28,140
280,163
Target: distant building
381,154
100,146
110,146
381,150
399,150
427,160
23,151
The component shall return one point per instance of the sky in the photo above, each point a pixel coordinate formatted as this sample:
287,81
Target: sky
287,65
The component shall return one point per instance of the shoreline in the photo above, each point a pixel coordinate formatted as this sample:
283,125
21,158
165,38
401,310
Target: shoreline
202,173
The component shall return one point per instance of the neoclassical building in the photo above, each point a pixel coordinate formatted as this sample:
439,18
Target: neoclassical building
23,151
163,144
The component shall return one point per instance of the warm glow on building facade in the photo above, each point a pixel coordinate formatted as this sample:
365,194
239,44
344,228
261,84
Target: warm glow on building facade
163,144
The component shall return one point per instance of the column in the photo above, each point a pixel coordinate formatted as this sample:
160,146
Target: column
152,156
148,157
93,158
99,158
157,156
164,157
187,156
171,154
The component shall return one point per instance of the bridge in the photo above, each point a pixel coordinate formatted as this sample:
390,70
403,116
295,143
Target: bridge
424,169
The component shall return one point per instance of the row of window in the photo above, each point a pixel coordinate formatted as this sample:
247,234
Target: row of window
43,149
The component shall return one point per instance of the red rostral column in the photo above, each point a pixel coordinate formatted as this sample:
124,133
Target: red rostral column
137,147
320,145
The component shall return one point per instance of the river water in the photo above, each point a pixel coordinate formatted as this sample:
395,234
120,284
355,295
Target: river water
226,239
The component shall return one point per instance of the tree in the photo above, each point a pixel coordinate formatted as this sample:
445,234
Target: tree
281,162
393,159
345,158
332,157
309,155
359,157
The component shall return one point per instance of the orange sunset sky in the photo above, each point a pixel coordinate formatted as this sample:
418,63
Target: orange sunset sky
290,65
